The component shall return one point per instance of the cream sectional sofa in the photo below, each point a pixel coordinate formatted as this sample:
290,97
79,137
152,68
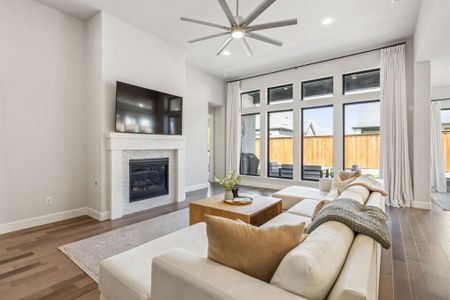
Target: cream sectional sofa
332,263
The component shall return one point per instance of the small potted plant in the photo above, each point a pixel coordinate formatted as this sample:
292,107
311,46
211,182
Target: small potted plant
228,183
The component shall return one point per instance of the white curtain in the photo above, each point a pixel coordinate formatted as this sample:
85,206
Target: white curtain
394,157
438,181
233,125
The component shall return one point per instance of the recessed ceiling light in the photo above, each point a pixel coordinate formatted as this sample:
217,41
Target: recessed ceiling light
226,53
327,21
141,105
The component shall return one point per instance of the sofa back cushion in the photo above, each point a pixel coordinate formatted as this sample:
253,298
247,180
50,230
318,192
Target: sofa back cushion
310,269
356,192
358,278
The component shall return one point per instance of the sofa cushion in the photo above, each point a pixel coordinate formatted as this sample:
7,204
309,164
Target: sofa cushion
128,275
310,269
357,192
238,245
287,218
376,199
357,280
294,194
304,208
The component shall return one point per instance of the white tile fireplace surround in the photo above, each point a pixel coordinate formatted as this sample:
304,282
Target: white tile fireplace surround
125,146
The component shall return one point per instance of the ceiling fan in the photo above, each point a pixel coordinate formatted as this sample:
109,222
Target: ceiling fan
240,27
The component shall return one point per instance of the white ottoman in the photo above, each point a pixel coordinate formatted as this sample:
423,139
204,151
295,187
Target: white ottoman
294,194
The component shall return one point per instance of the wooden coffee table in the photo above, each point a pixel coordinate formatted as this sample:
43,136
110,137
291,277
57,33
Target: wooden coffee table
261,210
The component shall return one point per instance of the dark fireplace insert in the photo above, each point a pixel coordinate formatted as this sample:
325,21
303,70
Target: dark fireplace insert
148,178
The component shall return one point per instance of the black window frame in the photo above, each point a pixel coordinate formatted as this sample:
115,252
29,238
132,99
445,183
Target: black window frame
302,135
343,124
313,80
277,87
357,73
268,142
248,92
443,109
240,150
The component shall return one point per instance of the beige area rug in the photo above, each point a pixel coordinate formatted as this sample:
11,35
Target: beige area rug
442,199
88,253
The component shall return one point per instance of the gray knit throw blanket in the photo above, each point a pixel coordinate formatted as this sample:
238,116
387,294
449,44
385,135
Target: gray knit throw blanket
368,220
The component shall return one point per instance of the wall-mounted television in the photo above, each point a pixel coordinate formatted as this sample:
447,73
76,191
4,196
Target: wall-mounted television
141,110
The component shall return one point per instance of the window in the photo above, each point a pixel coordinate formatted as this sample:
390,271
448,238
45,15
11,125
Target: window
445,127
362,136
318,88
250,99
362,82
281,146
250,145
280,94
317,142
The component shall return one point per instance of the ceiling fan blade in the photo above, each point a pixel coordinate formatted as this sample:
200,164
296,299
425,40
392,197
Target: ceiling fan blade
224,45
289,22
208,37
205,23
246,46
256,12
263,39
228,13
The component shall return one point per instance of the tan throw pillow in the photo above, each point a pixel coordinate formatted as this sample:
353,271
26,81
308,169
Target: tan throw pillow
344,175
251,250
338,184
318,207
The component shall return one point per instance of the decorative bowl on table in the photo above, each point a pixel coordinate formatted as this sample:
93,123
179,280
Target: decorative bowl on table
239,201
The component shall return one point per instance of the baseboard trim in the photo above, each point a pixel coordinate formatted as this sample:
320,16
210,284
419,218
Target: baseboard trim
196,187
98,215
55,217
422,205
42,220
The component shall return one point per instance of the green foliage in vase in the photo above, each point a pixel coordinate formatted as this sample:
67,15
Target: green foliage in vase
229,181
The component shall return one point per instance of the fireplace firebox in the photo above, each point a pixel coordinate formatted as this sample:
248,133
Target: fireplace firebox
148,178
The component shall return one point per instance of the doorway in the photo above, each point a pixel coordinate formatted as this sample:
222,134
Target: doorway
211,144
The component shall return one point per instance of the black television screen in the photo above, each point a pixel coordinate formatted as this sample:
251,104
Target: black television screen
140,110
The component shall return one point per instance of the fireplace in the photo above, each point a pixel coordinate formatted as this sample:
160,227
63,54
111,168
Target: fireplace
148,178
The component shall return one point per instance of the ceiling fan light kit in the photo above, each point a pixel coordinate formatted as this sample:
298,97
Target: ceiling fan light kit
240,27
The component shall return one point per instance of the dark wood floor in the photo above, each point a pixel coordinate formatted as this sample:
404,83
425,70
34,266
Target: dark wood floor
31,267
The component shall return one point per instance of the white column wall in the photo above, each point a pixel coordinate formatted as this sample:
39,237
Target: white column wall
422,135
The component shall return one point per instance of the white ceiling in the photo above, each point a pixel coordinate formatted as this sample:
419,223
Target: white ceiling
358,24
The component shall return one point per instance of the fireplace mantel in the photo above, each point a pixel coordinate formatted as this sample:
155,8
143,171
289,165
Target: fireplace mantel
117,143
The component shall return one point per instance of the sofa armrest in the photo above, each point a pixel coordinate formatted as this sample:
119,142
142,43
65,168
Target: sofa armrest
180,274
325,184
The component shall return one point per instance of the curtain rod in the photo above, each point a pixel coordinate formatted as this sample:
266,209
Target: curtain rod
442,99
316,62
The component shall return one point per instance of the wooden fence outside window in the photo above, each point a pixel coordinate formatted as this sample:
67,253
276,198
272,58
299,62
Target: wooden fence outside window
360,149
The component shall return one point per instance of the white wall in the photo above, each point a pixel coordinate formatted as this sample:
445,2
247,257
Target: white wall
201,89
42,111
422,140
57,101
93,110
441,92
